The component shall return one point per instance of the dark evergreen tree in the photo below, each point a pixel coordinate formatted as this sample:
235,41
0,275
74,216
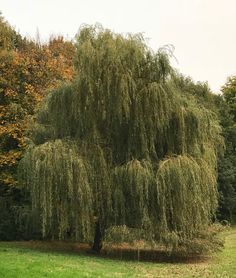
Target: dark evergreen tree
227,163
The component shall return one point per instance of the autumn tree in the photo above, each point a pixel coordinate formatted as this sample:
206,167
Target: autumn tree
27,70
122,145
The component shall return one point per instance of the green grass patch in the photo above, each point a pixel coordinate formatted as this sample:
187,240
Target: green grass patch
40,259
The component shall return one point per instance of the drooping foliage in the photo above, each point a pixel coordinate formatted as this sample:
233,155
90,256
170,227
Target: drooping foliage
122,145
224,106
192,193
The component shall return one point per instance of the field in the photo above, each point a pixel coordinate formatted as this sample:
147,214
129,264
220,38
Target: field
37,259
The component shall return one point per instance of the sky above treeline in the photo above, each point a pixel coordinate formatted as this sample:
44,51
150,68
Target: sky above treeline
203,32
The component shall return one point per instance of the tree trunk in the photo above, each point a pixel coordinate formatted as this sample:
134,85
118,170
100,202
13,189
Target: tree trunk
97,243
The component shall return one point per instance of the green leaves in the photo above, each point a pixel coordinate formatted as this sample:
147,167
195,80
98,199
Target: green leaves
122,145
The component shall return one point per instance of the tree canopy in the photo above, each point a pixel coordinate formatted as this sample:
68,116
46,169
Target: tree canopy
227,163
122,144
229,93
28,70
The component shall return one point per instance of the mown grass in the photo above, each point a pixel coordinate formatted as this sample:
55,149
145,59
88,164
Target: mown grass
30,259
224,264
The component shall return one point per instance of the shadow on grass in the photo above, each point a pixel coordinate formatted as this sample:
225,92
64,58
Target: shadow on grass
115,253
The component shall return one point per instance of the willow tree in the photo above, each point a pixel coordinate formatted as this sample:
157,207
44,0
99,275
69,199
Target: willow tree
122,145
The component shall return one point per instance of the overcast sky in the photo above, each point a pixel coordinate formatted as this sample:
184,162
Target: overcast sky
203,32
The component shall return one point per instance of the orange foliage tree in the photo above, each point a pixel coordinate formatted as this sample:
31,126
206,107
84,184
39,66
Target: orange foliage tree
28,70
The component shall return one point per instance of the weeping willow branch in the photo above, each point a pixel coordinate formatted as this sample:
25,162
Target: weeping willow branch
187,195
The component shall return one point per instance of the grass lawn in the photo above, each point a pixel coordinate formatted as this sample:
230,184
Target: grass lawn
30,259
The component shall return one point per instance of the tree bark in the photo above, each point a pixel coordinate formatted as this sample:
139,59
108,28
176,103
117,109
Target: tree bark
97,243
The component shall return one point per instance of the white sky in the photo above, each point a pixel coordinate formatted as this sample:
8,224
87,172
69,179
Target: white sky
203,32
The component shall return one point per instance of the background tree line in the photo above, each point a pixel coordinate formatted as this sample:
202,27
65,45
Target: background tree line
29,71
